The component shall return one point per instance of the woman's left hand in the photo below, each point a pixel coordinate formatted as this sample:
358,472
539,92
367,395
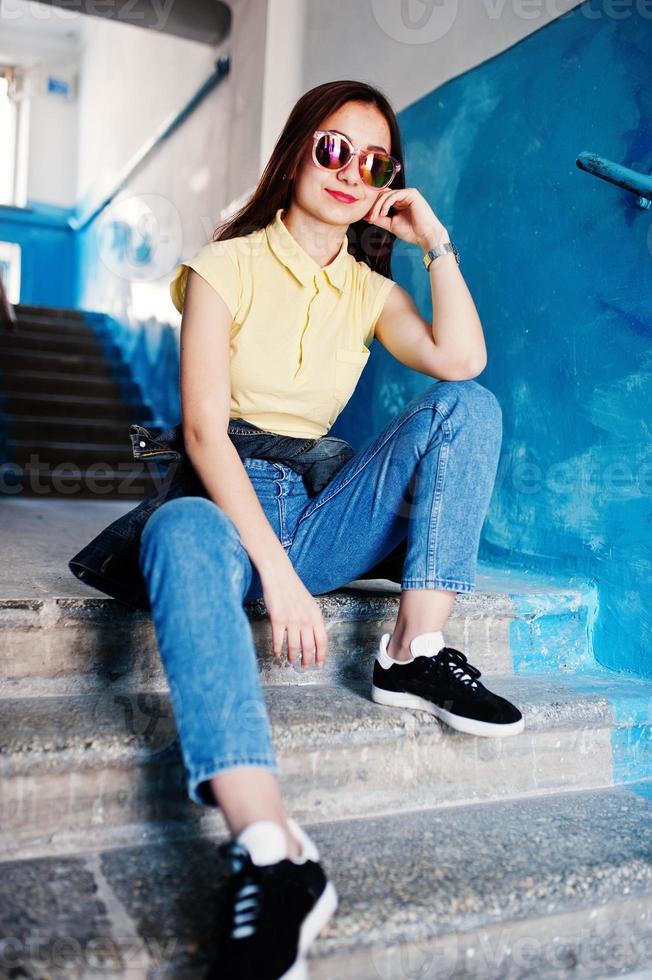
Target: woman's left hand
415,221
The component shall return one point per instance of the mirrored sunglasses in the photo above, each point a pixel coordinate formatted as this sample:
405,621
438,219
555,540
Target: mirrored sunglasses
332,151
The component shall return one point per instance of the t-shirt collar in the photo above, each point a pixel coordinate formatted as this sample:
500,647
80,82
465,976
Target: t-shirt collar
296,259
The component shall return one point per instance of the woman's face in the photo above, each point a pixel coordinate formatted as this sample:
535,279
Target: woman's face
366,127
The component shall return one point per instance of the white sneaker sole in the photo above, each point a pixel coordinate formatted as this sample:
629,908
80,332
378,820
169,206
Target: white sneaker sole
313,924
399,699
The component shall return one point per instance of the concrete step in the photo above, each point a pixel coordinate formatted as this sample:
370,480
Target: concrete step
54,383
96,636
72,430
76,406
74,763
553,886
19,360
515,621
549,887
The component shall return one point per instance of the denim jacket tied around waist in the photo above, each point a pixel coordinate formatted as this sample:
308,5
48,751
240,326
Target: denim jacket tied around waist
110,561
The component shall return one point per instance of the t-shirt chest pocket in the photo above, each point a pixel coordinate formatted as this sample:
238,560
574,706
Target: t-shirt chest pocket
349,365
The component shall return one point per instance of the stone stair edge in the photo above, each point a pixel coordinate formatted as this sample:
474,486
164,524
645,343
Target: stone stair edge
569,890
96,422
621,861
74,378
90,728
45,310
42,444
68,399
548,941
349,595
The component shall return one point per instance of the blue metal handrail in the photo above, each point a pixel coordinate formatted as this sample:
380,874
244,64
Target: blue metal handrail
615,173
221,69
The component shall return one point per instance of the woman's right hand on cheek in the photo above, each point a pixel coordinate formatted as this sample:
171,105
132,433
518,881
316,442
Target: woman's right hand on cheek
292,609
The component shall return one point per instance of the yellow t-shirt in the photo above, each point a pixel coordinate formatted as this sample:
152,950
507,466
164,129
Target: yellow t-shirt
300,334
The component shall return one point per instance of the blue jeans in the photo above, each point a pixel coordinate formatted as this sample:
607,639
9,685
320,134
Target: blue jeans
427,478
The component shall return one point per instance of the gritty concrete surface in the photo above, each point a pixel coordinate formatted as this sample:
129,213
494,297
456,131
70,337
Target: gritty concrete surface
325,714
54,922
39,536
457,870
96,641
529,878
94,762
52,626
498,888
554,887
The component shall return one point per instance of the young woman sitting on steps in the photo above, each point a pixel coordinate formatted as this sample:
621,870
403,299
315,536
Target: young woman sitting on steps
278,315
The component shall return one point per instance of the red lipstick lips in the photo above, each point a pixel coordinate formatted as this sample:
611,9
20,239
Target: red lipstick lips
339,196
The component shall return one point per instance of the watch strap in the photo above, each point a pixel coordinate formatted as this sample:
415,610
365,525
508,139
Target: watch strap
434,253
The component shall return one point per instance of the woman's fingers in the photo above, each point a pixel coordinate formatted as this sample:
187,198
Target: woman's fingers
294,641
278,634
321,642
293,610
307,645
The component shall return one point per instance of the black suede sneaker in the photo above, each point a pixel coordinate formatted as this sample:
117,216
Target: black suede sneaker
440,679
271,914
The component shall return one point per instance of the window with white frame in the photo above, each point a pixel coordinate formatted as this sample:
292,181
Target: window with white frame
8,133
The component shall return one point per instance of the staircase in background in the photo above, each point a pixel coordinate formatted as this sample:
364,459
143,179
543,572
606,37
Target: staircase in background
453,856
67,400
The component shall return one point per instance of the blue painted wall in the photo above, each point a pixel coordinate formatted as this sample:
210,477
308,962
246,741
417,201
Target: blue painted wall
47,252
559,264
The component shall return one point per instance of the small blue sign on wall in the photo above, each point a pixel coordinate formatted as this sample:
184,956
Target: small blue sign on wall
58,86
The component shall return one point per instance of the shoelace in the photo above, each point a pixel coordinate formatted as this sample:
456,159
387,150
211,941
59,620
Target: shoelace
456,663
244,900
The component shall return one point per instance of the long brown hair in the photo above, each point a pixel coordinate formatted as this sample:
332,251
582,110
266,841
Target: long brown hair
367,243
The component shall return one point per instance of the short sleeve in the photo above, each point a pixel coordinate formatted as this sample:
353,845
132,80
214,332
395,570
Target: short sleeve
216,263
376,291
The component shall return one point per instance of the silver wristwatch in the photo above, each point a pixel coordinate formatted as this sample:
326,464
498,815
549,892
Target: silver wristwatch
434,253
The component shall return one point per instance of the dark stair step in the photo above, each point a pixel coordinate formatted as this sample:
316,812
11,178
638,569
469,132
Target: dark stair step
48,383
66,328
79,453
48,312
37,360
58,344
75,406
35,427
52,344
120,483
